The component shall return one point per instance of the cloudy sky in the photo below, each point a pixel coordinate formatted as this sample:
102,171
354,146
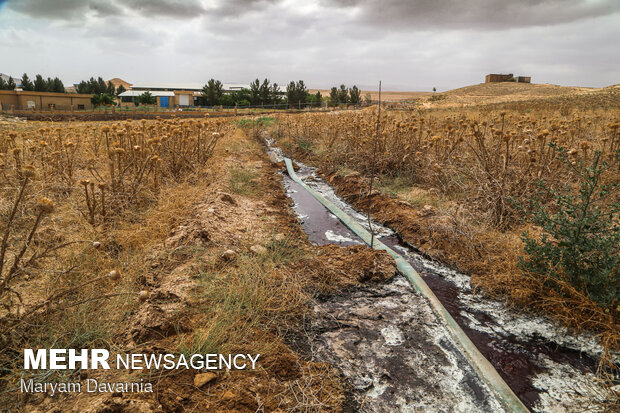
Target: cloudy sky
409,44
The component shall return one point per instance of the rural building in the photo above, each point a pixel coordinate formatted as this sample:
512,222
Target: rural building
170,95
492,78
23,100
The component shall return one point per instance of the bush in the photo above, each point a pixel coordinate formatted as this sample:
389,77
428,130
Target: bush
102,99
147,99
581,237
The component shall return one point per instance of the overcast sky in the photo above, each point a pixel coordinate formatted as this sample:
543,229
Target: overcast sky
409,44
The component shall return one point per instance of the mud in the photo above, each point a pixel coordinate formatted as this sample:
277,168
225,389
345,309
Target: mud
387,343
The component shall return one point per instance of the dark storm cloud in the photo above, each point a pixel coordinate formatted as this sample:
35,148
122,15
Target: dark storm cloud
76,9
236,8
473,14
413,44
62,9
172,8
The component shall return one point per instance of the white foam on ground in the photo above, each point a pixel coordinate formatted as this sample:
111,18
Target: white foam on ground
564,389
392,335
333,237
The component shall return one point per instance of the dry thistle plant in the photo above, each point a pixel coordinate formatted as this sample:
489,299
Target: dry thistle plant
53,179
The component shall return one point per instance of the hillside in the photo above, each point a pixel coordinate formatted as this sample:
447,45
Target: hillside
485,93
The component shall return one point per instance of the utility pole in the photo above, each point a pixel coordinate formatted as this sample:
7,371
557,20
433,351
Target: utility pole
372,169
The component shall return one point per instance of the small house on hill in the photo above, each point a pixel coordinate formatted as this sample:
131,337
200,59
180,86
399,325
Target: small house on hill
492,78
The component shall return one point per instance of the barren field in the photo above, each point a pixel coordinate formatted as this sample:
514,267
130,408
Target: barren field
187,236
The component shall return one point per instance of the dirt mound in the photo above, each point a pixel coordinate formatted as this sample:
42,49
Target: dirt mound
334,267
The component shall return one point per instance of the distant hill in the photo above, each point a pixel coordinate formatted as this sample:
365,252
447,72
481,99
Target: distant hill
6,77
118,81
502,92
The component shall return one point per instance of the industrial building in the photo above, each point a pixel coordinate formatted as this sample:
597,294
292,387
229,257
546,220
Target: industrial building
170,95
492,78
31,100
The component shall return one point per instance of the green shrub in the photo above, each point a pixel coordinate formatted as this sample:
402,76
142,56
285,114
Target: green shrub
147,98
581,235
102,99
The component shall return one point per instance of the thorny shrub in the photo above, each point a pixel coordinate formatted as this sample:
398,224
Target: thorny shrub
54,179
580,242
485,159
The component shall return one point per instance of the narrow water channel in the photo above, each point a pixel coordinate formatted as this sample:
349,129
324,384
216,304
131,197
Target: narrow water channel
547,368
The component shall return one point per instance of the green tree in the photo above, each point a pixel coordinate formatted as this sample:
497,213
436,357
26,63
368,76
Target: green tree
56,85
580,242
318,98
264,92
40,84
434,89
334,97
343,94
241,97
26,83
93,86
3,84
255,92
120,89
111,90
296,92
227,100
82,87
355,97
212,92
10,85
147,99
274,94
102,87
103,99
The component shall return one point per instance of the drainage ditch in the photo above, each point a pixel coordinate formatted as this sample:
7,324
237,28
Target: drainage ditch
398,357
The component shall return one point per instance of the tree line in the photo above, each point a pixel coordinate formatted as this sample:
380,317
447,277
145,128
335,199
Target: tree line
7,85
258,93
98,86
40,84
344,95
268,93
